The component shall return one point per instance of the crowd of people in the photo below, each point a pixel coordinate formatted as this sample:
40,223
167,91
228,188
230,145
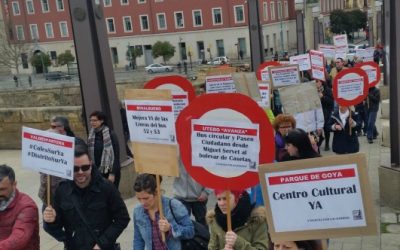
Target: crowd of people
89,213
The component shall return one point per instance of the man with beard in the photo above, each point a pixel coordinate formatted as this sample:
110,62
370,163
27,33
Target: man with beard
19,217
89,209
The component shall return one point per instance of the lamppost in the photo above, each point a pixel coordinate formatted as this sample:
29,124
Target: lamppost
378,9
371,27
281,33
315,13
301,43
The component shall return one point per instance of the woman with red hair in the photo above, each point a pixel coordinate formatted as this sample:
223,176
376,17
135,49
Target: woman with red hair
249,224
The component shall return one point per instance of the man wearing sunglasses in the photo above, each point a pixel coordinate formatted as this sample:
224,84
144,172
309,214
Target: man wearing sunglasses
89,209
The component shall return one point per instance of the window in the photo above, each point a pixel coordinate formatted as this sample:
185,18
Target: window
49,30
272,8
16,10
53,55
286,9
63,29
239,14
141,1
279,11
107,3
60,5
124,2
29,7
127,24
197,19
144,22
220,47
20,32
162,25
45,6
24,60
265,11
217,16
179,22
34,31
110,25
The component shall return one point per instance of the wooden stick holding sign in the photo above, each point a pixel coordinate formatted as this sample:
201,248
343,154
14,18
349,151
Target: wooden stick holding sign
160,207
349,121
228,211
48,190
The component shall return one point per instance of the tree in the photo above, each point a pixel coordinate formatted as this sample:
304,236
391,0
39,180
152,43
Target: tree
40,60
132,53
11,52
358,19
340,22
164,49
65,58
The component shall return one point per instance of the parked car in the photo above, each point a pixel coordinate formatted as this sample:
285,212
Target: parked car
219,60
57,75
158,67
353,47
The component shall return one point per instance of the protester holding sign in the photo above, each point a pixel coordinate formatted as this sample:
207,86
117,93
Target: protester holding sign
249,225
104,148
339,66
327,103
298,145
282,125
147,223
341,123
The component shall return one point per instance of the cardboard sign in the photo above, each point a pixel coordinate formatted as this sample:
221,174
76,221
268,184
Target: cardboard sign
350,86
48,152
152,128
373,71
318,198
317,65
293,102
265,92
246,84
284,75
263,70
220,84
220,146
182,90
302,60
340,40
328,50
222,138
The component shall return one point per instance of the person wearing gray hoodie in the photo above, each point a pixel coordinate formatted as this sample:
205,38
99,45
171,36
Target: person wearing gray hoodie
193,195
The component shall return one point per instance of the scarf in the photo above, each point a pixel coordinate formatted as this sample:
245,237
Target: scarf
4,204
240,214
107,156
343,117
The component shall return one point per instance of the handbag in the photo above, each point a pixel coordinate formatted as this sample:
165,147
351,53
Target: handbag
201,235
117,246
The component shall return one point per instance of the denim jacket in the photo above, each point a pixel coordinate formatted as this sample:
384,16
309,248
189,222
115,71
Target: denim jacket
181,229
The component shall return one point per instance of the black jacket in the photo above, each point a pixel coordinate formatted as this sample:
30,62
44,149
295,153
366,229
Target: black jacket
103,206
343,142
327,102
373,99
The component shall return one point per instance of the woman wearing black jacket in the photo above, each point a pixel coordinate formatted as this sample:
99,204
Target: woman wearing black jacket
326,96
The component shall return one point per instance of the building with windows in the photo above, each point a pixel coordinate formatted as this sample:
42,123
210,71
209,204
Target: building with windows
199,29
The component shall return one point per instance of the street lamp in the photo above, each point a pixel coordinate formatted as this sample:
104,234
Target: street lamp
315,13
301,43
371,27
378,9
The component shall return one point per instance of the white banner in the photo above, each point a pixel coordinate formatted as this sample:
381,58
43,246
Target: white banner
265,95
220,84
225,145
340,40
318,198
341,52
371,72
302,60
328,50
151,121
317,65
48,152
350,87
367,54
285,75
180,100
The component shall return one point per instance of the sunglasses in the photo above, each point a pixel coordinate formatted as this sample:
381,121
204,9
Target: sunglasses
84,168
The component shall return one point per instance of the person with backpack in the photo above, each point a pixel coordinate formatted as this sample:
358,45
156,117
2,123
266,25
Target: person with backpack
249,224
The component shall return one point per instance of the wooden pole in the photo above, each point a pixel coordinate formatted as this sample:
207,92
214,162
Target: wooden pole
349,120
160,207
228,211
48,190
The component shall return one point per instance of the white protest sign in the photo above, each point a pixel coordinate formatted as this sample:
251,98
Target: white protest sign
350,86
180,100
285,75
151,121
340,40
265,95
302,60
48,152
328,50
225,146
341,52
317,65
317,198
366,54
220,84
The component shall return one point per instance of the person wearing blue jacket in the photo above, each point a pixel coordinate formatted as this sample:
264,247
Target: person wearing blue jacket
149,226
